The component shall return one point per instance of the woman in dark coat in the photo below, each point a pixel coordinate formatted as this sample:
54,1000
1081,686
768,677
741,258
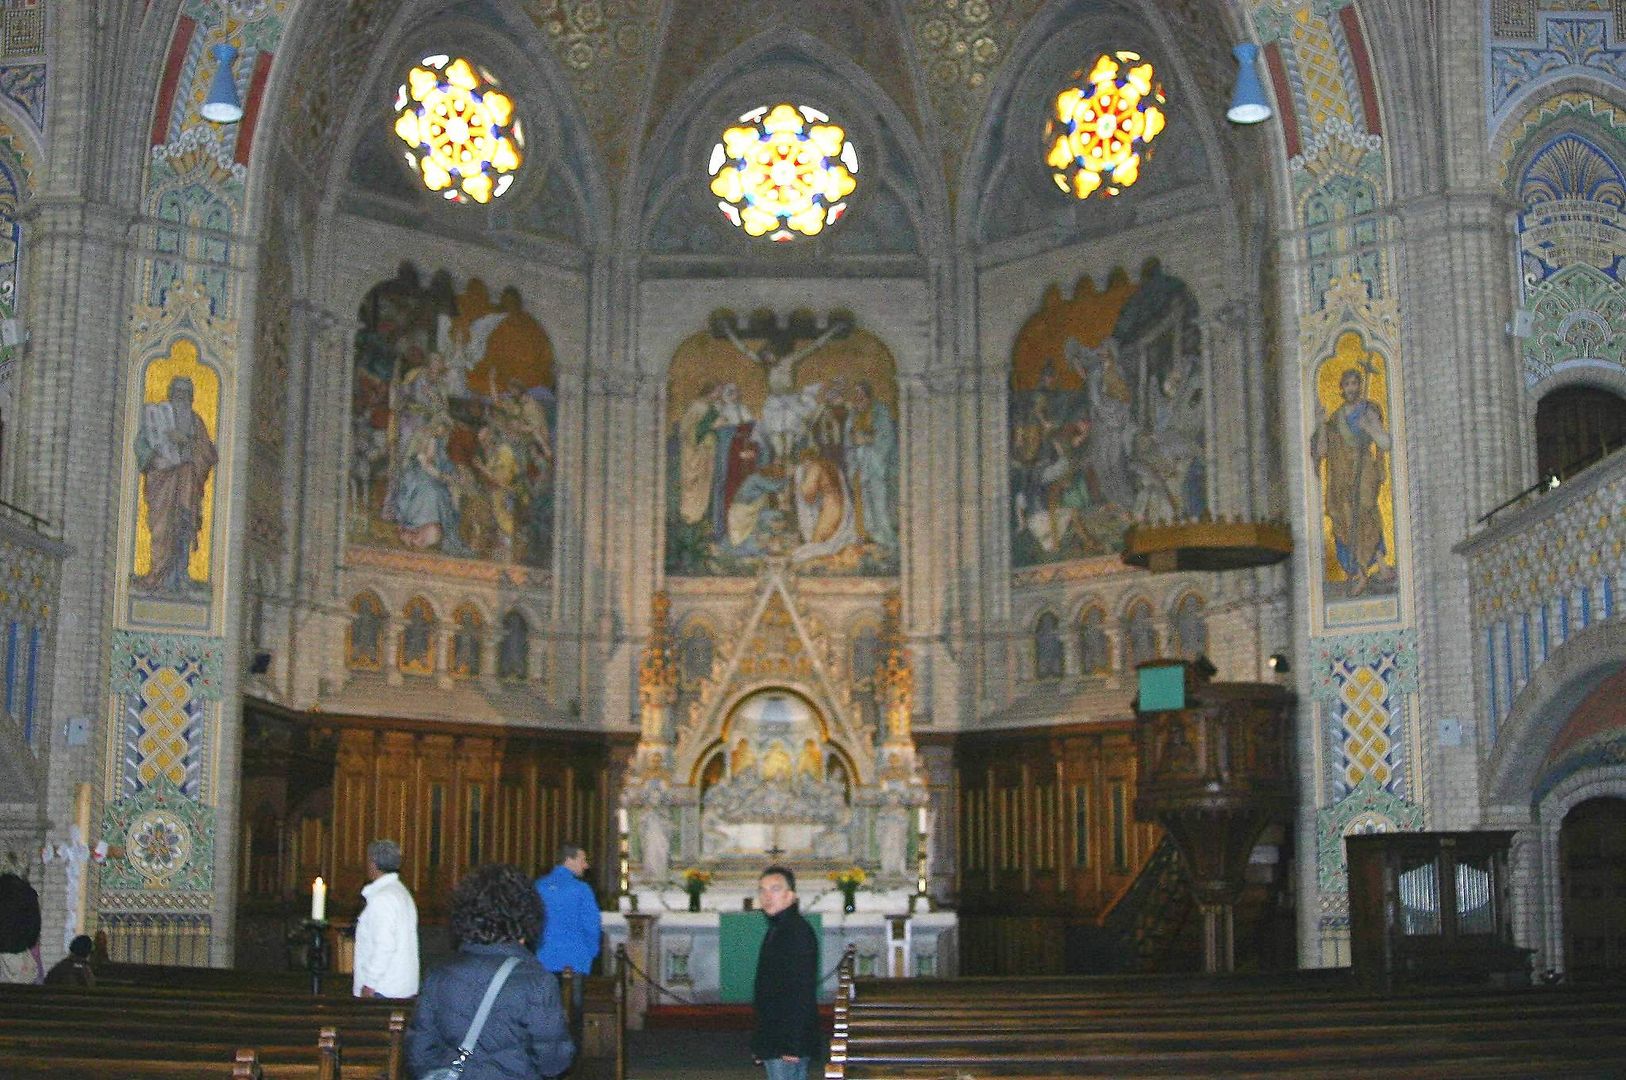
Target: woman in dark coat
496,914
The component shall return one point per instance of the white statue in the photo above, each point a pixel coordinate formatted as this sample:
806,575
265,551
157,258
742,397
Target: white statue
655,842
892,834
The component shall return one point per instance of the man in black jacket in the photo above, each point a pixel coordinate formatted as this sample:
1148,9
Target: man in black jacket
788,1033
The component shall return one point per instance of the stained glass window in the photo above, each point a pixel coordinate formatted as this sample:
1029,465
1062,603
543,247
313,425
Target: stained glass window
463,137
783,171
1102,126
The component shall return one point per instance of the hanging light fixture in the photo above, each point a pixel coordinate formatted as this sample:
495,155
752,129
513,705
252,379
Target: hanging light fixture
223,106
1248,105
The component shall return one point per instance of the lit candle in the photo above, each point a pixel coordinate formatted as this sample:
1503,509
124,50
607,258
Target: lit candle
621,819
318,901
920,816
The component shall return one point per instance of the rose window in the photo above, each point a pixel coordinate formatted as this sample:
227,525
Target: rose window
783,171
1101,129
464,140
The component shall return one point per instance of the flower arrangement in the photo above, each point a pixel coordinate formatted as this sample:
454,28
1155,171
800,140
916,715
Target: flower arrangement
695,881
850,878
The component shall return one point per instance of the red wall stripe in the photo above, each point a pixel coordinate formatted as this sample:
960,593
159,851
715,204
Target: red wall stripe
1284,98
172,75
1363,68
251,107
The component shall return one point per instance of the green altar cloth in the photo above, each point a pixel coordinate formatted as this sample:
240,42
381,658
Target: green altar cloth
739,938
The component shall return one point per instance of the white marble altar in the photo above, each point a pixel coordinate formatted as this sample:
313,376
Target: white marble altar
680,948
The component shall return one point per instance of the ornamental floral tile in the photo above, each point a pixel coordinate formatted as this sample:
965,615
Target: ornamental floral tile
160,840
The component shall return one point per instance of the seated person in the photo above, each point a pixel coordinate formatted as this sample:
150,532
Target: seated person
74,969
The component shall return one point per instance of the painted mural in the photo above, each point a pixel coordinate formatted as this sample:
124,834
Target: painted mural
1107,416
1350,446
782,443
176,455
452,423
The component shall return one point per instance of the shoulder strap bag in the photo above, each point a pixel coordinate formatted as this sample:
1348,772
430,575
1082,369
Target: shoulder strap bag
466,1048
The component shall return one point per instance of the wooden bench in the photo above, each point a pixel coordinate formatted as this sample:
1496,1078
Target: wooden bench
109,1032
1321,1026
209,1024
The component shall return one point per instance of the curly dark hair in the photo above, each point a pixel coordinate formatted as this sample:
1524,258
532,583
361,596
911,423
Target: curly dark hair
496,904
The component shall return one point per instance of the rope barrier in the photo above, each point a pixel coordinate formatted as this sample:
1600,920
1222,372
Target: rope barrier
638,971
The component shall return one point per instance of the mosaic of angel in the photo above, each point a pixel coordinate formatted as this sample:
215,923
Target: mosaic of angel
1107,416
452,423
783,441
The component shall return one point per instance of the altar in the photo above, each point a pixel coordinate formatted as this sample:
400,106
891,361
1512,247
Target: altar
710,955
775,759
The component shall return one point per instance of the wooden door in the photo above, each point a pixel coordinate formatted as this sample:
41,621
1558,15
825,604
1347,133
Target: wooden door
1592,845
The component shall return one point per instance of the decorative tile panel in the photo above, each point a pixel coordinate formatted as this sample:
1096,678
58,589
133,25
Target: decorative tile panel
1568,44
1555,566
24,84
161,841
165,684
1361,685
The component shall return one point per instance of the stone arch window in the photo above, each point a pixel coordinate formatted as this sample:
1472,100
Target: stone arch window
363,644
417,646
864,655
1190,627
1576,424
468,642
514,650
1140,634
1048,662
696,651
1094,650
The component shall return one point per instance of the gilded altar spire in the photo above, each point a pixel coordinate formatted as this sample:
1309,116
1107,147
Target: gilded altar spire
657,675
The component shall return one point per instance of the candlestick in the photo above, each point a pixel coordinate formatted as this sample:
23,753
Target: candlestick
318,901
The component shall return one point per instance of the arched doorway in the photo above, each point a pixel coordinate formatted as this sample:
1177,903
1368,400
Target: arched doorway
1592,850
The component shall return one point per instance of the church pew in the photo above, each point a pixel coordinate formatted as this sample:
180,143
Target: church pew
246,1063
1039,1028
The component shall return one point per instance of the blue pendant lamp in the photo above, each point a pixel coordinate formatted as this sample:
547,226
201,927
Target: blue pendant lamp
1248,105
223,106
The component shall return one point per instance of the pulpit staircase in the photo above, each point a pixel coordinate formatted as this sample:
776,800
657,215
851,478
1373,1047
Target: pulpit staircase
1146,924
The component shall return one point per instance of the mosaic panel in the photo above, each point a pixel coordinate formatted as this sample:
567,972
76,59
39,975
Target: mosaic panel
1567,44
158,840
1573,199
1361,684
23,29
24,84
1367,808
165,684
1107,416
1578,316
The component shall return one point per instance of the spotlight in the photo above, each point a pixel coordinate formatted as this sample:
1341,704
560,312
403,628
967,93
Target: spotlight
223,106
1278,663
1248,105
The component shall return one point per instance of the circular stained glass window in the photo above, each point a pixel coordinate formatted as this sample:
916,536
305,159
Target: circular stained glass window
783,171
1101,127
463,138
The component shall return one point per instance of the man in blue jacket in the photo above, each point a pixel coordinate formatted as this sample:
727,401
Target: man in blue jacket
570,935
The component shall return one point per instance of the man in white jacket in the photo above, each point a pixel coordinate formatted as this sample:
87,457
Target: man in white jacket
386,929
